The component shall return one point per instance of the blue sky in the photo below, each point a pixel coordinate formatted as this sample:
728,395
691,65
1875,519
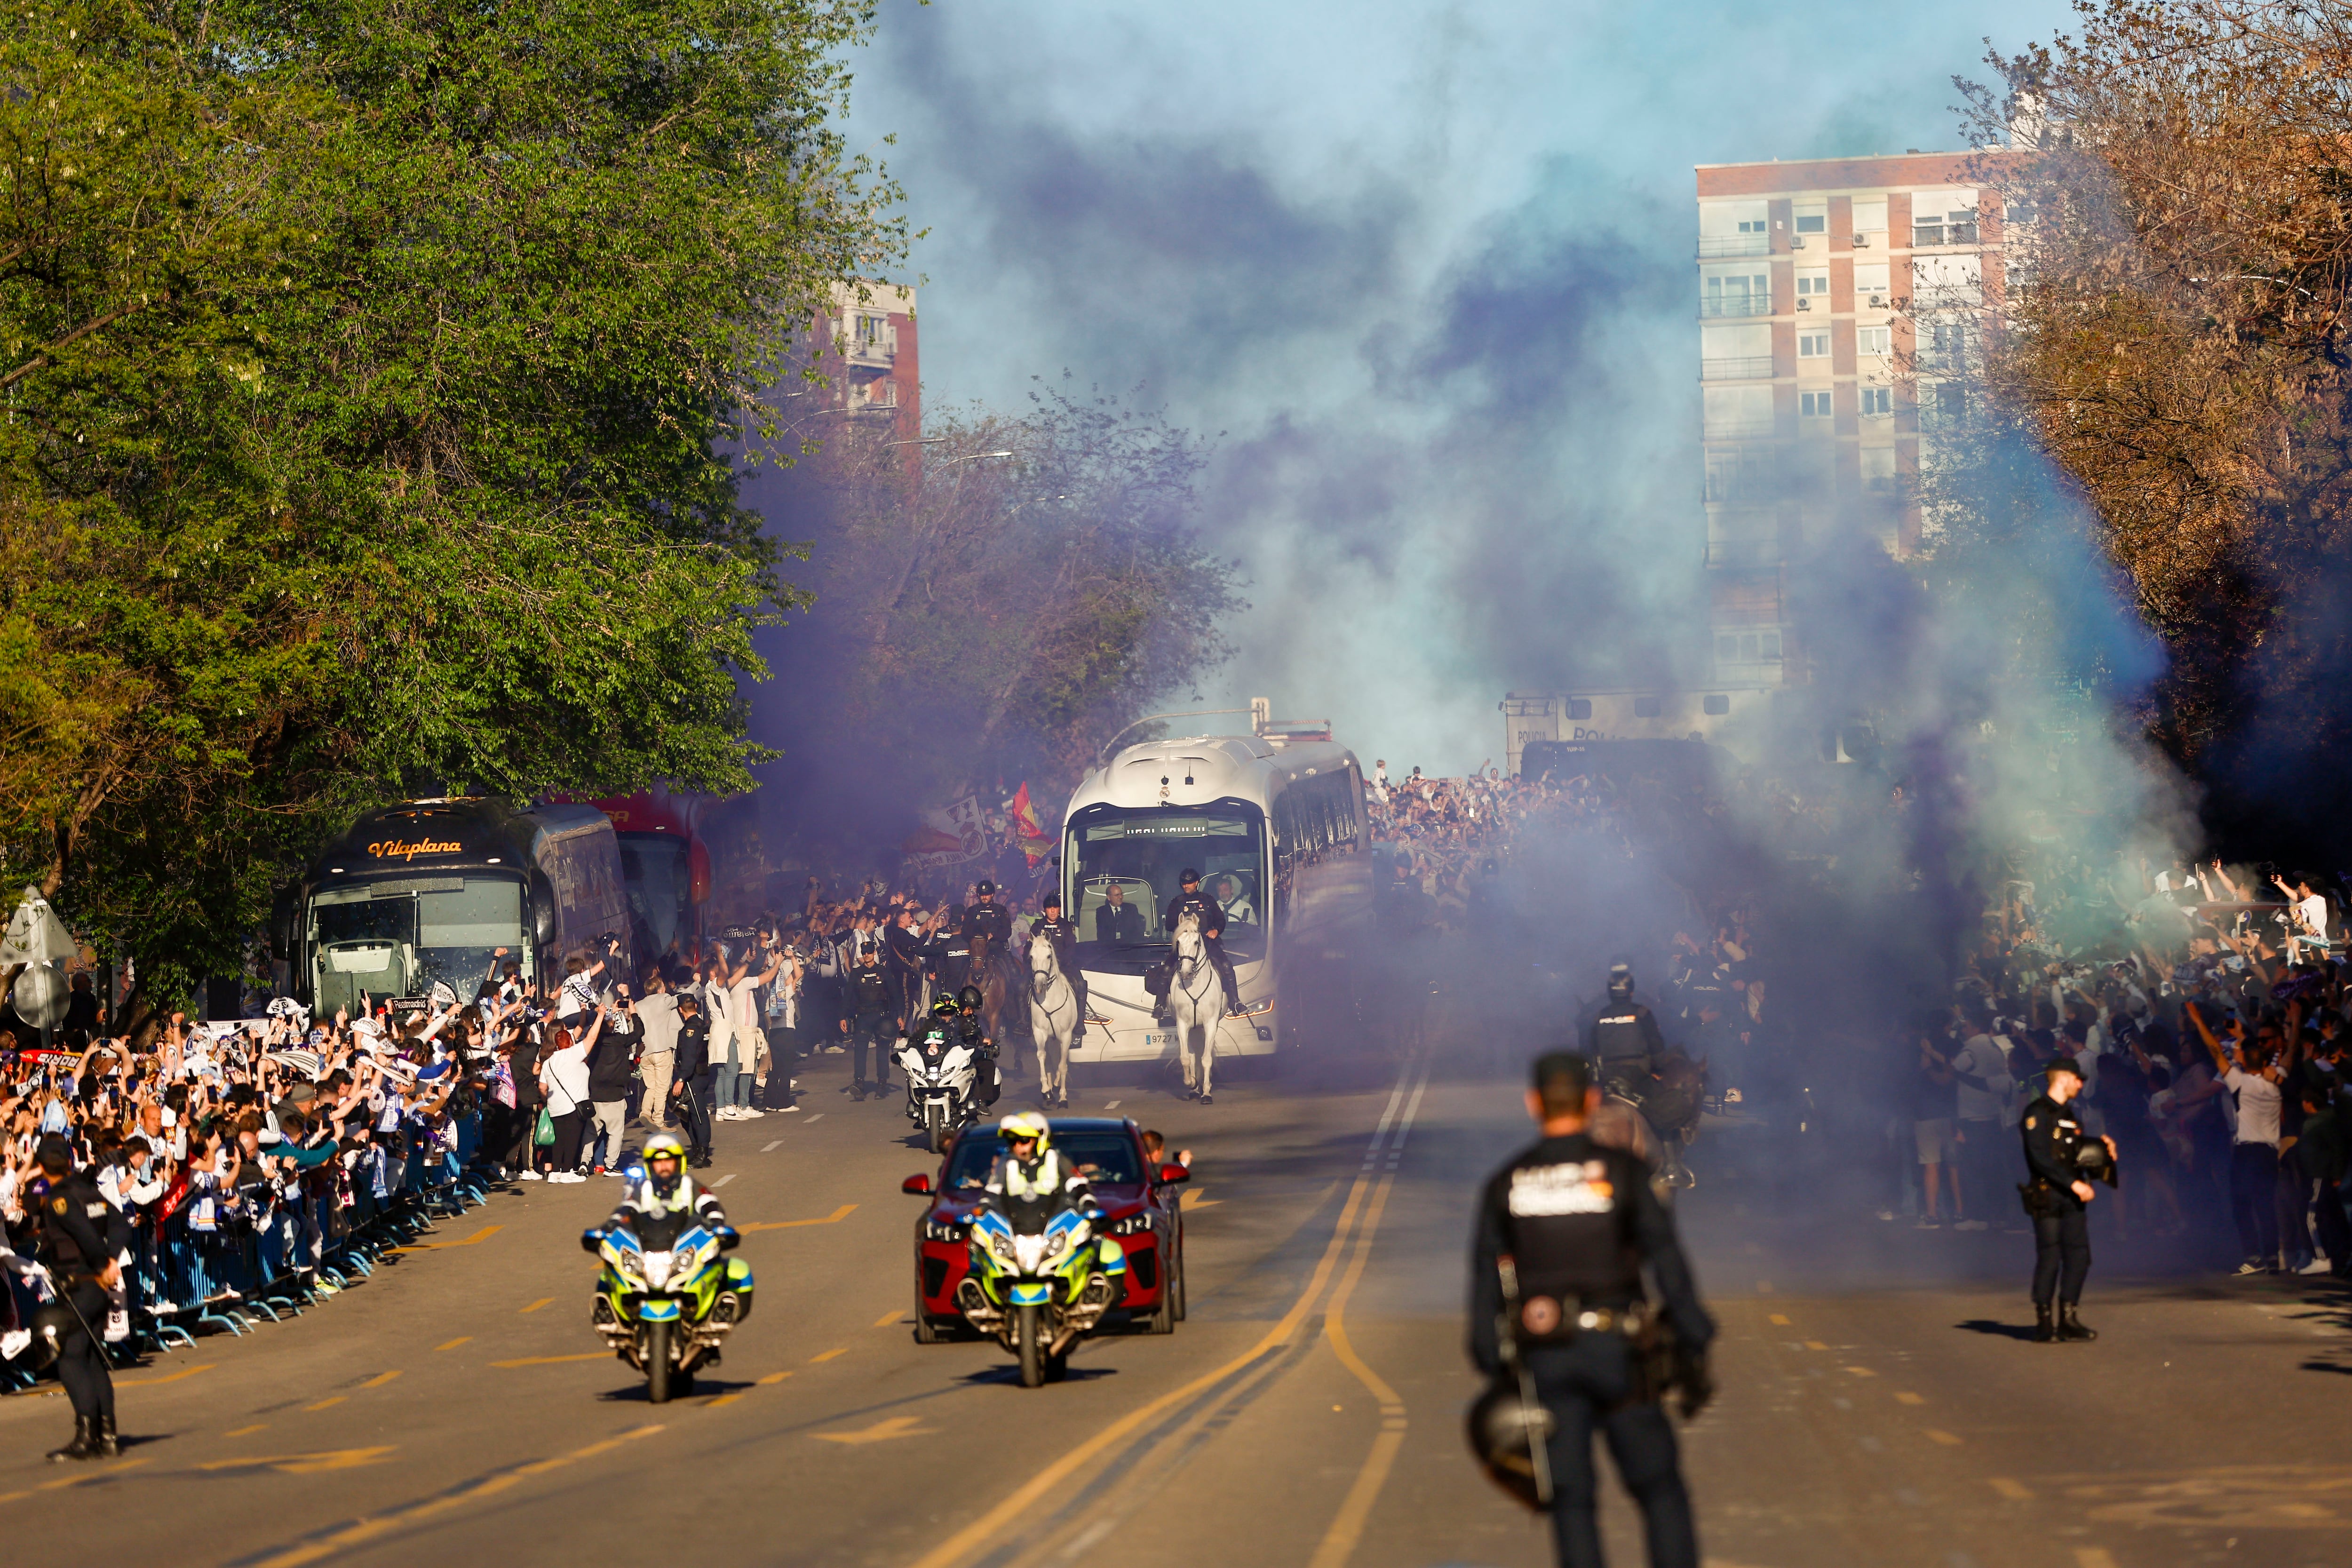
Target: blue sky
1426,266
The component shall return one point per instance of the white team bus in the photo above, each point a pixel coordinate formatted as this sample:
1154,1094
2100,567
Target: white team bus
1278,835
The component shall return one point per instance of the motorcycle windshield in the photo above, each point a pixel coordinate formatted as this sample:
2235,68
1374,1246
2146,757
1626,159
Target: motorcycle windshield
1030,1217
660,1232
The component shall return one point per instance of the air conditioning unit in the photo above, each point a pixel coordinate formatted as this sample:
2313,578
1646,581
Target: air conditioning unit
1862,242
1796,242
1804,304
1878,301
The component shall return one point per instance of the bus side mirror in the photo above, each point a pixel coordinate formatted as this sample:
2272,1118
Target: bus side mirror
543,915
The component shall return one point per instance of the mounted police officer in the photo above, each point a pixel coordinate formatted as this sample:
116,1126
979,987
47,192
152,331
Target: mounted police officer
1063,935
1212,930
1622,1035
988,918
79,1237
1565,1232
2058,1198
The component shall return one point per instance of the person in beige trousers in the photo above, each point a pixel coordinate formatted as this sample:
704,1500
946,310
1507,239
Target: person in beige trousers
657,1011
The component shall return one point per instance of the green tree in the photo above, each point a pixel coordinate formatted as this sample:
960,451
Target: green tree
379,381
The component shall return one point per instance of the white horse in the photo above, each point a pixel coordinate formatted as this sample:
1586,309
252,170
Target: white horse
1197,997
1053,1019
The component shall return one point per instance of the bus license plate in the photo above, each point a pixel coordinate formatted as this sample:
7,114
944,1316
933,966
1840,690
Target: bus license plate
1160,1039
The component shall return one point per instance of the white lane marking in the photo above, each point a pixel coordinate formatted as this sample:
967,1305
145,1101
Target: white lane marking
723,1180
1110,1105
773,1147
818,1117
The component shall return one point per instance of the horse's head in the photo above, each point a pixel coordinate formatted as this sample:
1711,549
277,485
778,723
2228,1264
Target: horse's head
1044,959
982,943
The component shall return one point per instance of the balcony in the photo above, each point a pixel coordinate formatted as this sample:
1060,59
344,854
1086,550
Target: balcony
1735,305
872,342
1716,246
1744,367
1741,429
877,395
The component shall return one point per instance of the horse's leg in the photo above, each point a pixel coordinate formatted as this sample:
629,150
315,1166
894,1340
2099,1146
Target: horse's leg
1211,1016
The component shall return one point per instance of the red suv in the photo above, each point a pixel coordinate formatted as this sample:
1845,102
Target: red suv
1139,1205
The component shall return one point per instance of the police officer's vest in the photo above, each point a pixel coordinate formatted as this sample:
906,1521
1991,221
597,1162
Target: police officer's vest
1618,1034
649,1200
1568,1218
1047,1184
872,989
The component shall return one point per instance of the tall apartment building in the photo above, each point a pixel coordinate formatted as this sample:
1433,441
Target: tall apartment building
1836,298
866,349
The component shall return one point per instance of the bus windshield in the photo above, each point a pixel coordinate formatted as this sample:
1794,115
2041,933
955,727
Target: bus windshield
1126,863
660,887
404,937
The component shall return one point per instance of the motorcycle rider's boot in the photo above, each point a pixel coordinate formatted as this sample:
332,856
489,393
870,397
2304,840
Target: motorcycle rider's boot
2072,1327
84,1445
109,1446
2045,1331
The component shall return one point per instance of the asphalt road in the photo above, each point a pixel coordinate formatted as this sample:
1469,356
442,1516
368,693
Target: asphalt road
1878,1404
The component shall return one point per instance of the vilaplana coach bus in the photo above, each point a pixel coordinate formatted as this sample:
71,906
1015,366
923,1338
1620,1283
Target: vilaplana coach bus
1278,835
428,891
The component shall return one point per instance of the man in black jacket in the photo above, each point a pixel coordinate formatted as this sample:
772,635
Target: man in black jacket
689,1090
2059,1199
1574,1225
611,1069
79,1239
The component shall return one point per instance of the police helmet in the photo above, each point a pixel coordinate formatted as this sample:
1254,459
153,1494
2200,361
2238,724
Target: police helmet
1025,1126
1621,981
1052,901
970,997
986,890
1188,876
1504,1431
664,1146
945,1008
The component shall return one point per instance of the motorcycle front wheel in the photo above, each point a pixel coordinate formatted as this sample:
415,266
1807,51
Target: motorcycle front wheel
657,1363
935,1128
1029,1333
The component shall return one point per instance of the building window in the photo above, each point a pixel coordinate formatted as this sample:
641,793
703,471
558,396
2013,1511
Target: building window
1717,706
1736,294
1579,708
1752,226
1870,216
1877,402
1878,469
1813,223
1951,399
1814,284
1872,340
1812,345
1768,645
869,329
1648,707
1813,405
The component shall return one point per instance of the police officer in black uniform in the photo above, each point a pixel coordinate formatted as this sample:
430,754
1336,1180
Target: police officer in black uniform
1622,1035
2058,1198
969,1027
1063,935
1577,1224
869,1023
1212,929
77,1237
990,919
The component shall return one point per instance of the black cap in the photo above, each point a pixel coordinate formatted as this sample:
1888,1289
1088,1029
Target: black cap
54,1154
986,888
1052,901
1188,875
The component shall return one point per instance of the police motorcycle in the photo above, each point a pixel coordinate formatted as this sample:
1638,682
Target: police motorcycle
1041,1279
940,1073
668,1296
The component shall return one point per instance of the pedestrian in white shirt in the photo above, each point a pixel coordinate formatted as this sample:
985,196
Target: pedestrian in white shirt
657,1011
2252,1073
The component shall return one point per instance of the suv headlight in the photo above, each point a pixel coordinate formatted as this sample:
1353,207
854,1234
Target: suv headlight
1135,1224
942,1230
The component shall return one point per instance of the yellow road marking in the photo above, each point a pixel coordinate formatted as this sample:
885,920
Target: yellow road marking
325,1404
1946,1438
306,1464
773,1377
113,1469
1763,1287
1861,1371
836,1217
722,1399
828,1355
1347,1526
2014,1491
555,1360
991,1525
1905,1396
167,1377
889,1319
535,1306
453,1344
246,1431
2093,1557
1780,1321
379,1379
880,1432
381,1524
483,1234
1194,1200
